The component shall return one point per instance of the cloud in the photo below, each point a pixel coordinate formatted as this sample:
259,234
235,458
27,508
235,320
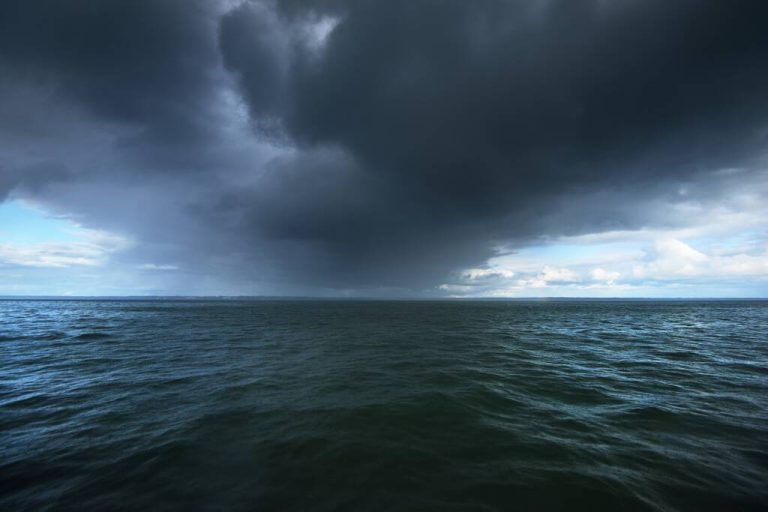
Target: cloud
672,258
656,264
95,249
51,255
607,276
558,274
477,274
339,146
153,266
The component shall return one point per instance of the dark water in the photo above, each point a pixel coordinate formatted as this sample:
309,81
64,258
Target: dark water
284,406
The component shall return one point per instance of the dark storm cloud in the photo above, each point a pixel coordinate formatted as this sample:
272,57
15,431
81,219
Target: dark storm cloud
486,113
411,140
469,102
145,63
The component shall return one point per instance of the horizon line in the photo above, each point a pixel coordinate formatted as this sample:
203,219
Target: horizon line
367,298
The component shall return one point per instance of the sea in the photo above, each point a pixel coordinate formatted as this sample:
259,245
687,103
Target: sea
352,405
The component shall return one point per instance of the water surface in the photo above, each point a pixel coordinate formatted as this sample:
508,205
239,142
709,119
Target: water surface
322,405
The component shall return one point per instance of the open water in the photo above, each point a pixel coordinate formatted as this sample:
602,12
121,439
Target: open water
373,406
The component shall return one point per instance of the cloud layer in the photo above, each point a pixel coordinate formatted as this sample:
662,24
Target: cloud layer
372,147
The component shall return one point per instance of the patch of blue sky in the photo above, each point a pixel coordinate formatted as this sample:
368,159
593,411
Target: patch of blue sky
23,223
571,253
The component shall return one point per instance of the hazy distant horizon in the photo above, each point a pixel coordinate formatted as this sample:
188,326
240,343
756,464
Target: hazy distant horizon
369,298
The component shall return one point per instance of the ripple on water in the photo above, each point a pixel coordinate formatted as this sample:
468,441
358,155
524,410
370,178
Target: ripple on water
172,405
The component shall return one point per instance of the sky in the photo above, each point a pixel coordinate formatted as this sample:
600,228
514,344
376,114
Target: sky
400,148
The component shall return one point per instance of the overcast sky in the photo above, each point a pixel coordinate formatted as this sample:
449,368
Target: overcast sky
386,148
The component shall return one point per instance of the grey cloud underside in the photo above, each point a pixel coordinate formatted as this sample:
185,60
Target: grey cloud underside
408,144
